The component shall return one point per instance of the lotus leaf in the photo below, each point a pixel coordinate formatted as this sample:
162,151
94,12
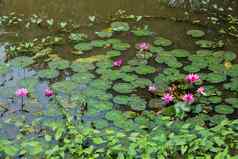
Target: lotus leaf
48,73
232,101
215,77
224,109
4,68
121,46
144,69
59,64
120,26
196,33
121,99
83,46
123,88
136,103
104,34
98,43
160,41
21,61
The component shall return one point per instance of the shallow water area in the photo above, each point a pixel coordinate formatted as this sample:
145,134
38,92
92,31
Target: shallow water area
100,59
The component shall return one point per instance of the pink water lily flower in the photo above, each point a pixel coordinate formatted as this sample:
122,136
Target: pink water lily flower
48,92
201,90
144,46
22,92
188,98
192,78
118,63
167,98
152,88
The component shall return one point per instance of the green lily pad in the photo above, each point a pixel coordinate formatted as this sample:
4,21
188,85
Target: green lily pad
215,77
229,56
137,103
113,53
224,109
180,53
114,115
196,33
123,88
64,86
120,26
121,46
83,46
82,67
121,99
21,61
59,64
163,42
104,34
232,101
48,73
98,43
4,68
144,69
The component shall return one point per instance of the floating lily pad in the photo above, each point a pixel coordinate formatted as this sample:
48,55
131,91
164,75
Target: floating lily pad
113,53
196,33
229,56
104,34
224,109
98,43
60,64
21,61
114,115
121,99
215,78
4,68
83,46
120,26
232,101
48,73
123,88
121,46
180,53
163,42
137,103
82,67
64,86
144,69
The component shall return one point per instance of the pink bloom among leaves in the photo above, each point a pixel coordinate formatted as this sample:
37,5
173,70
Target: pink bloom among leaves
48,92
118,63
167,98
152,88
192,78
143,46
188,98
22,92
201,90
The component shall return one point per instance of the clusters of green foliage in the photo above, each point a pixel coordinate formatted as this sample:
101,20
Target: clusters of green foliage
99,111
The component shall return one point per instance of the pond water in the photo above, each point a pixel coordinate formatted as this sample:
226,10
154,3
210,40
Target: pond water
71,46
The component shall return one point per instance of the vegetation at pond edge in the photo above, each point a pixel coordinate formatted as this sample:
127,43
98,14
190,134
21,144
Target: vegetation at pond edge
118,88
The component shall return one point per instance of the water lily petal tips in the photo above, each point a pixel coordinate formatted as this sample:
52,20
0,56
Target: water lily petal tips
22,92
143,46
48,92
118,63
167,98
188,98
201,90
152,88
192,78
